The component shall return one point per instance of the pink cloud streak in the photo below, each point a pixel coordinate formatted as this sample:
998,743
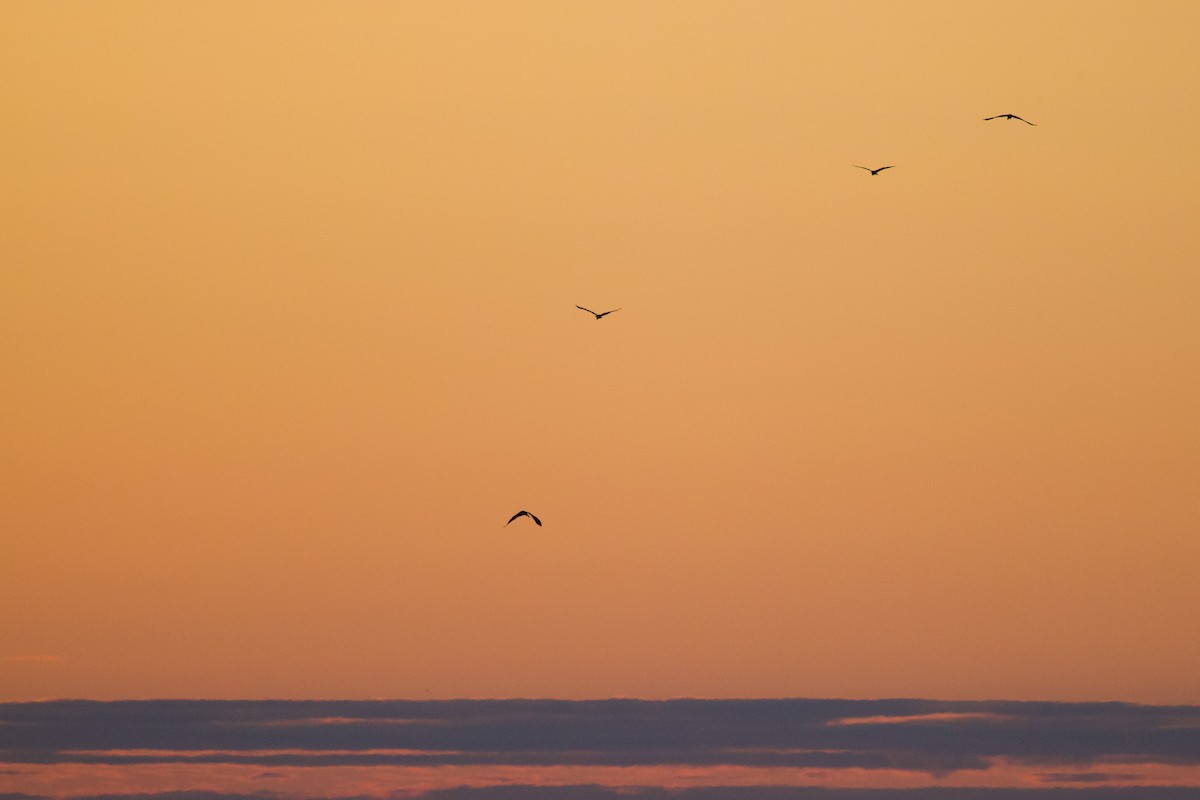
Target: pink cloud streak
65,780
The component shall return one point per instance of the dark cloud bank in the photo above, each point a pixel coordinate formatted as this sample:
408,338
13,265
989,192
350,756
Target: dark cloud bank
711,793
1079,742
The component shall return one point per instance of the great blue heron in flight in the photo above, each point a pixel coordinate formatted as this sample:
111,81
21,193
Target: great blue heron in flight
1009,116
874,171
598,316
523,513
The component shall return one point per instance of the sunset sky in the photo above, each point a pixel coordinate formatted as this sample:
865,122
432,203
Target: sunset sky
288,332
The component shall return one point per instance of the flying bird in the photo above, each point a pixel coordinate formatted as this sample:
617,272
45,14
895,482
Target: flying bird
874,171
1009,116
598,316
523,513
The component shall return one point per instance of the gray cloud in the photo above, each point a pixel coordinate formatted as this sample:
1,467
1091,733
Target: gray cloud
933,736
589,792
806,793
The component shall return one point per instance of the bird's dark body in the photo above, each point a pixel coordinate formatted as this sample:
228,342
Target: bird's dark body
1010,116
601,315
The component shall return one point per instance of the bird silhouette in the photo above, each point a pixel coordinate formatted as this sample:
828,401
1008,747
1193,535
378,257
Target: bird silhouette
523,513
1009,116
874,171
598,316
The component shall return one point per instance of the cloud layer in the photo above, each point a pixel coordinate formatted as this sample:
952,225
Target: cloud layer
483,749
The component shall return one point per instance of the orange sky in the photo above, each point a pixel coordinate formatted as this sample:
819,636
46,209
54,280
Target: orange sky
288,331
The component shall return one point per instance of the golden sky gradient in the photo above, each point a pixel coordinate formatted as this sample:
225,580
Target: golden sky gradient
288,331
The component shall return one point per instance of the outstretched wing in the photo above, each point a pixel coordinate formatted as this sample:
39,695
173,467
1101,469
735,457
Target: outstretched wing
521,514
581,308
881,169
535,519
1009,116
868,169
606,313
